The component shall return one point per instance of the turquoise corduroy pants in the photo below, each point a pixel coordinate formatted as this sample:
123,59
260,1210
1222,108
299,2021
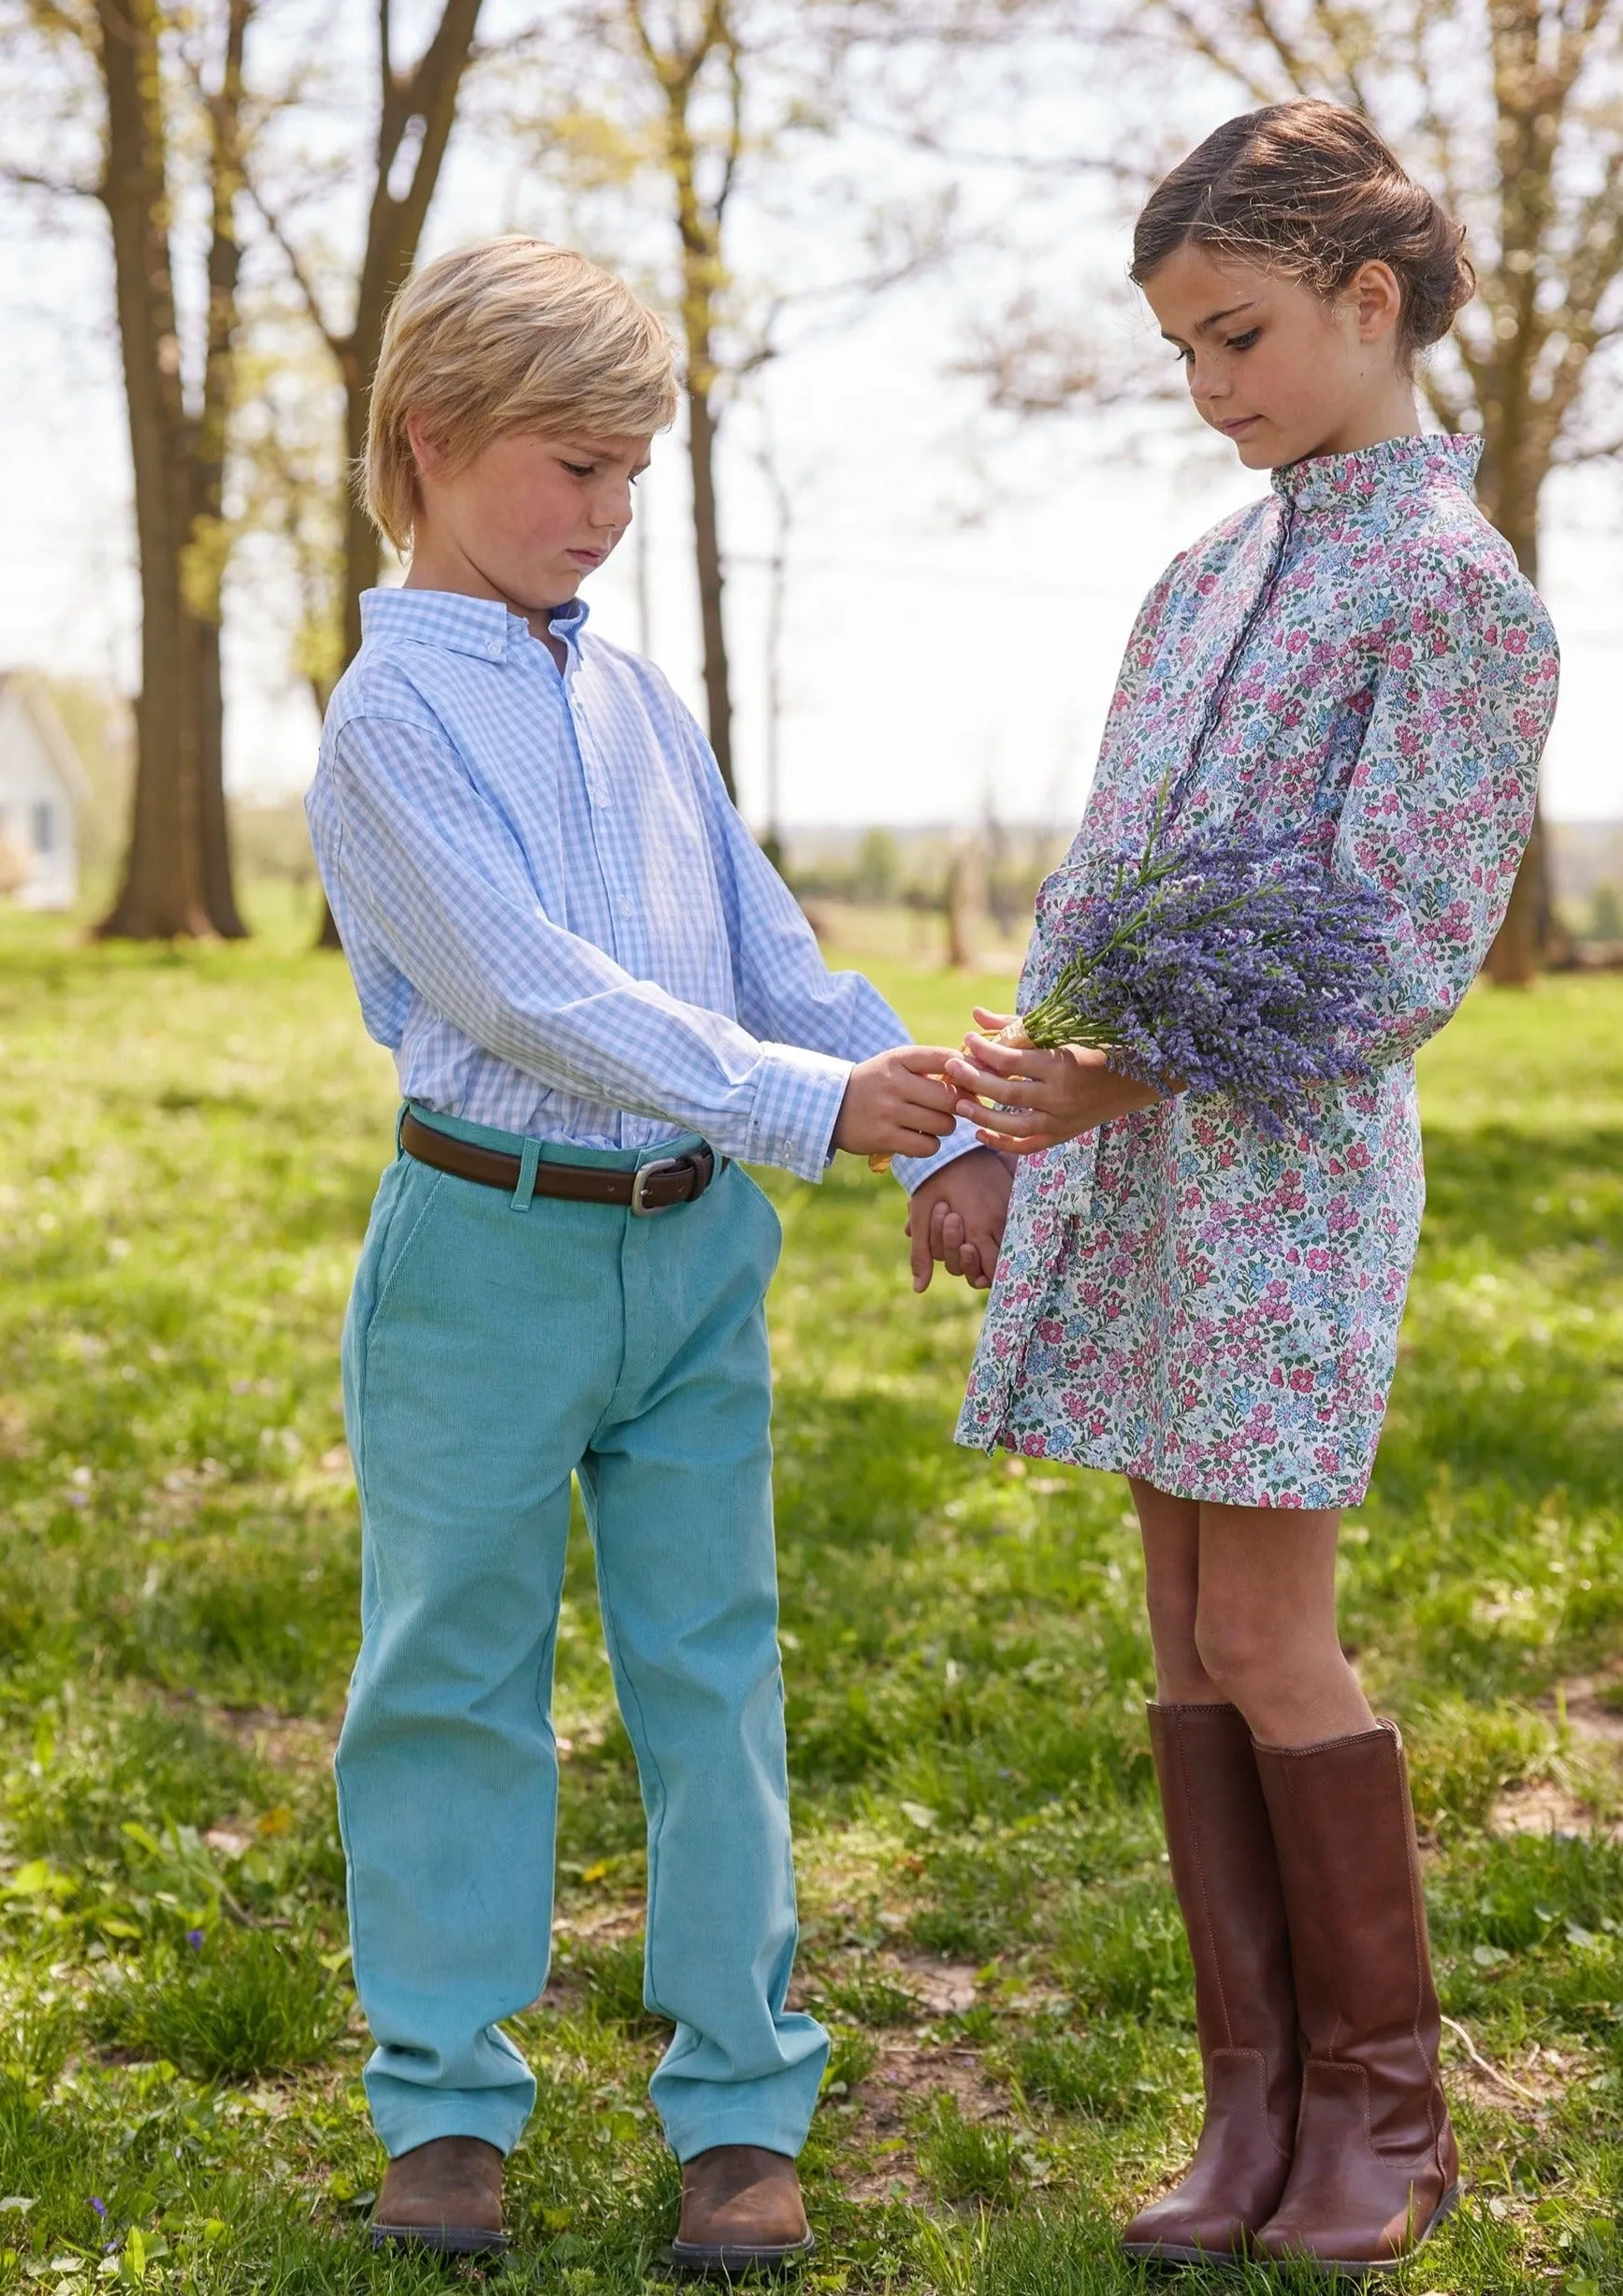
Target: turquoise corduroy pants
494,1348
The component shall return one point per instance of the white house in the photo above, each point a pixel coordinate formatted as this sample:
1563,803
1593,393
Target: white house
42,786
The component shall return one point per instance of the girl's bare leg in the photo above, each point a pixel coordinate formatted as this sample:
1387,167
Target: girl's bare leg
1171,1534
1265,1623
1242,1611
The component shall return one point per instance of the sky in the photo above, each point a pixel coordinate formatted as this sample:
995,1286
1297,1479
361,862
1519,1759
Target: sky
957,598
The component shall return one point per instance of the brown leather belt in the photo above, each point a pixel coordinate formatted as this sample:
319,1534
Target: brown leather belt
652,1188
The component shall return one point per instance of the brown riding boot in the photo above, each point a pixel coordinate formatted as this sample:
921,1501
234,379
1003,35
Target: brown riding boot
1221,1853
741,2208
446,2195
1376,2166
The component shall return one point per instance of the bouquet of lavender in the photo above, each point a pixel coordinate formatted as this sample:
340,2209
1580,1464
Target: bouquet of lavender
1222,967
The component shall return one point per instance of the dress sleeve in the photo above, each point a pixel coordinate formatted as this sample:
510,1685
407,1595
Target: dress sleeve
1440,805
1138,659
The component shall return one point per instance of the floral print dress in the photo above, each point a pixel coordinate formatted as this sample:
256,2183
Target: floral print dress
1179,1297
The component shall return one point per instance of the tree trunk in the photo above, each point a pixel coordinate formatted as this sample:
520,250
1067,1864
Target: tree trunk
704,278
213,816
394,231
363,554
707,556
1523,946
965,905
161,895
209,538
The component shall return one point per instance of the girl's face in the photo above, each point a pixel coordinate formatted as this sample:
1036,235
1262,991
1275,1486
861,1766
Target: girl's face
1276,368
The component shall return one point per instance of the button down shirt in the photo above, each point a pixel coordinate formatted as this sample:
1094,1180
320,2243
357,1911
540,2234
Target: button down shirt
554,917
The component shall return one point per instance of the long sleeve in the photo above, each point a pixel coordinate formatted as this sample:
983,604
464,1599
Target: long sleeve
786,992
433,869
1440,803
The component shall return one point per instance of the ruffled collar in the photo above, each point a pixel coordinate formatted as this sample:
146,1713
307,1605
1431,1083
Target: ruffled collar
1352,482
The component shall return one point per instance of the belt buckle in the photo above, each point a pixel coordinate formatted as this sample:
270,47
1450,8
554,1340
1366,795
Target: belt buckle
644,1173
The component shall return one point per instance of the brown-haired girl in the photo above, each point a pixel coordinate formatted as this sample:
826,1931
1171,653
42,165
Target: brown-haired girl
1354,658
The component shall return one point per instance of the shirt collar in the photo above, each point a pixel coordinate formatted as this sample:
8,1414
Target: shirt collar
483,627
1352,482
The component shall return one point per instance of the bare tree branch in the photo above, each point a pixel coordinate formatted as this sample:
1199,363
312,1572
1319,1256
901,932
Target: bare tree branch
35,179
309,294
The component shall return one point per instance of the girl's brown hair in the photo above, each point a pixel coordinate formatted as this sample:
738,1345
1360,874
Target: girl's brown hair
1310,189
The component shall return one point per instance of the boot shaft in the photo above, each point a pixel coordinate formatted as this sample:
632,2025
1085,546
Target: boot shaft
1350,1870
1220,1847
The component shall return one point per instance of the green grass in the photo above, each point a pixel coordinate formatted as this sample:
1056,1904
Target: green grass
188,1146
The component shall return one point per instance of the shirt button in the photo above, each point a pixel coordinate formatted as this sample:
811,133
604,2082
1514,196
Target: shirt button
494,648
628,909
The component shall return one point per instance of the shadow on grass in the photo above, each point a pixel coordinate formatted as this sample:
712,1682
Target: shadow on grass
1520,1191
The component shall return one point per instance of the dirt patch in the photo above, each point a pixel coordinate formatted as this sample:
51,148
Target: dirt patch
1584,1792
908,2073
1546,1806
1525,2085
285,1741
1594,1709
947,1989
606,1927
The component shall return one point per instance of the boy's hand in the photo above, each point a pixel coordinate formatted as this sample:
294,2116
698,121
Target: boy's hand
896,1105
958,1216
1047,1097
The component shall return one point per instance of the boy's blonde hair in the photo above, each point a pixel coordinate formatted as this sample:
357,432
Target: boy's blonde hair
510,334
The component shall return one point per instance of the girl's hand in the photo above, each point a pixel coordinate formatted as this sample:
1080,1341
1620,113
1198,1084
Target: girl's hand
1047,1097
957,1217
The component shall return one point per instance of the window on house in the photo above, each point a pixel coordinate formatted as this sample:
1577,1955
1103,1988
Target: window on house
45,827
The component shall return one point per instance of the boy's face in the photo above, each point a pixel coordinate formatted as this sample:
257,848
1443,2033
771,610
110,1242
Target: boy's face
527,519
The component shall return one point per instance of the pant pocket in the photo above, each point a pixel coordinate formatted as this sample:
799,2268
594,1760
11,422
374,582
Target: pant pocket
400,1211
762,1209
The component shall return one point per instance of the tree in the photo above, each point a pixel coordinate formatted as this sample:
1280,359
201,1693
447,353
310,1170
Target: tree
677,65
415,112
673,105
1510,108
169,83
782,505
715,99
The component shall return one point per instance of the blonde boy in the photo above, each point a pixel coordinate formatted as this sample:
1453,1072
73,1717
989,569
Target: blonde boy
600,996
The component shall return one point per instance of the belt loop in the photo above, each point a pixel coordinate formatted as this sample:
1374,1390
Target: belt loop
401,1114
524,1193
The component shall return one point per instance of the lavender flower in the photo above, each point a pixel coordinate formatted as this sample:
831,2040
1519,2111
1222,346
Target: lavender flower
1246,970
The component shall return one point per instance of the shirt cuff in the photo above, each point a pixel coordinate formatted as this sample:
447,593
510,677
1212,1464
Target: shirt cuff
797,1104
913,1170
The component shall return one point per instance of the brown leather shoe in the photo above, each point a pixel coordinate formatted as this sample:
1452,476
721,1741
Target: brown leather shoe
1376,2166
741,2209
1221,1848
446,2195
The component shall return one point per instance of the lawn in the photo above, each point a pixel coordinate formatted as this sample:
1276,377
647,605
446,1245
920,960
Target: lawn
188,1145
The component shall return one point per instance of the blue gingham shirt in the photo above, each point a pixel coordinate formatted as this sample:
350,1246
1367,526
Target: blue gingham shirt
554,915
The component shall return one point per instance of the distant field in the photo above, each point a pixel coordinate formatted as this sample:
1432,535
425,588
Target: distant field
188,1145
